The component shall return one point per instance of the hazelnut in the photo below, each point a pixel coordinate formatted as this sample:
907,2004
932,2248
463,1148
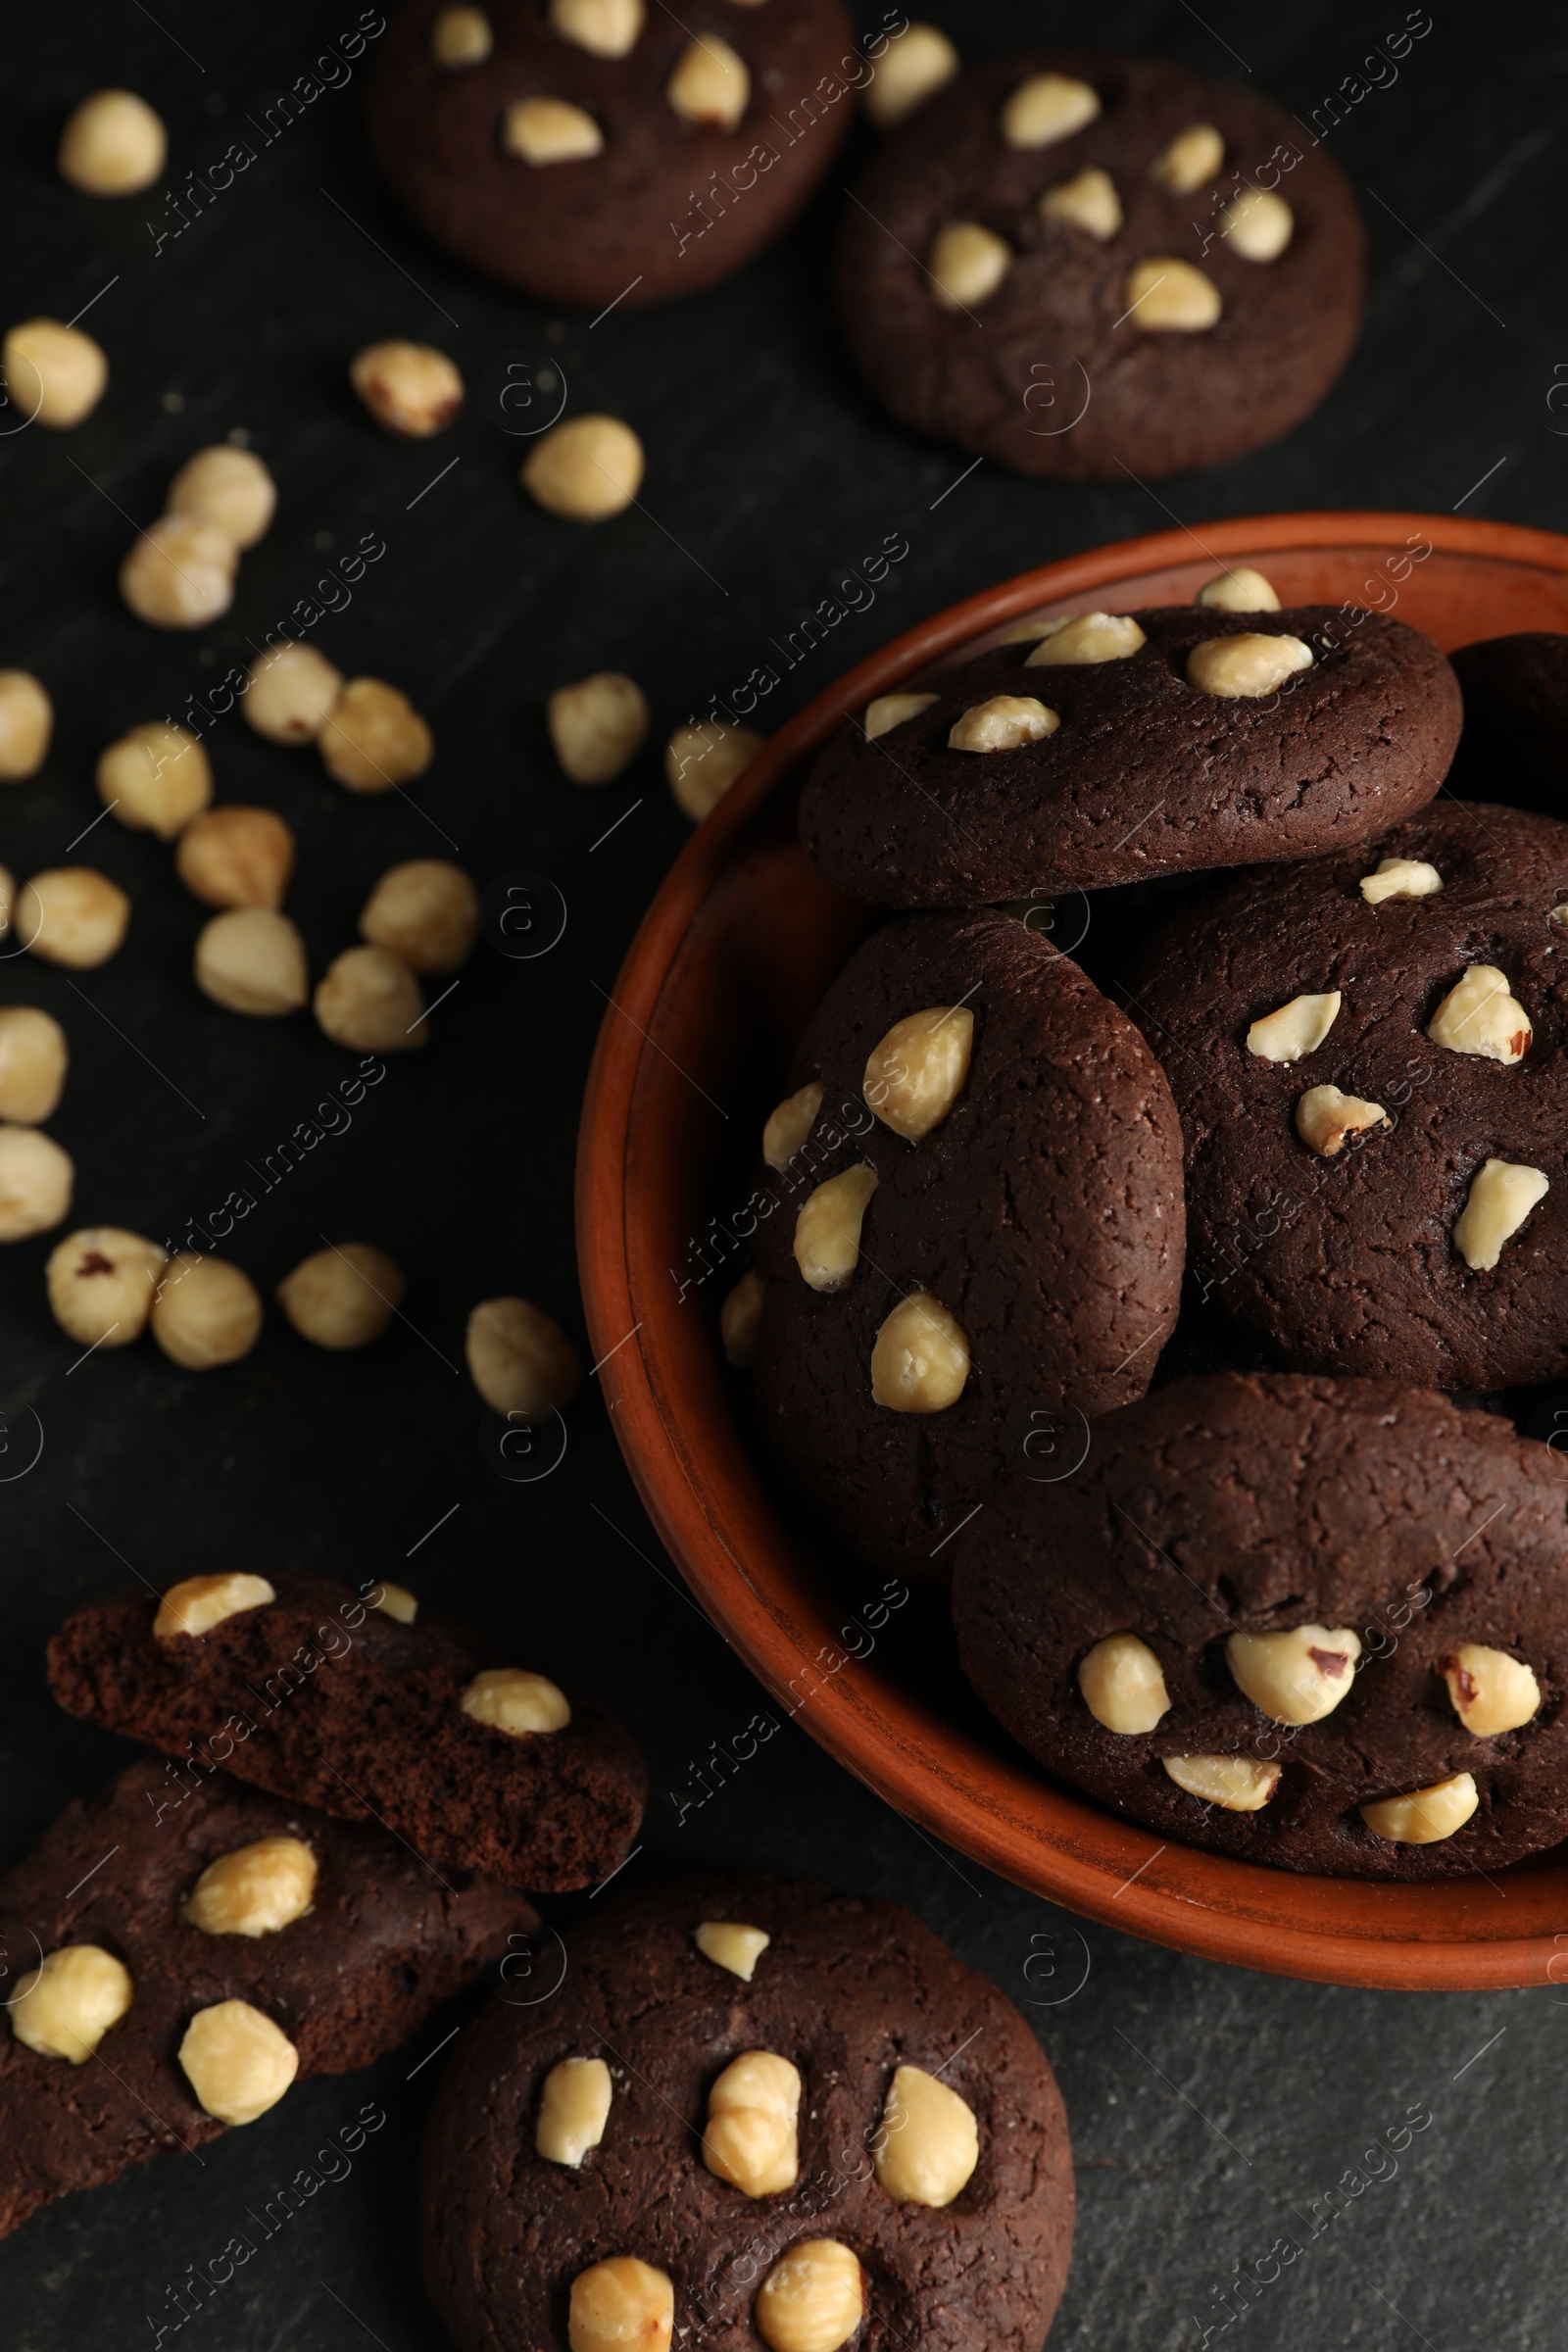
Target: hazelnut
205,1312
1167,295
550,130
622,2305
914,1076
598,726
254,1890
1295,1677
752,2114
702,763
928,2145
827,1230
251,959
1501,1195
1088,201
1490,1689
1295,1029
343,1297
520,1359
1426,1816
921,1358
915,63
1045,108
730,1944
1480,1015
740,1322
396,1601
1086,637
603,27
236,2061
370,1002
194,1606
509,1700
373,738
586,470
65,2006
33,1063
1123,1685
35,1181
460,36
1400,878
236,858
1192,157
180,573
1258,225
1324,1117
410,389
8,898
230,489
1245,666
890,711
155,779
1239,590
113,144
26,722
426,912
1001,725
966,263
292,693
55,374
812,2299
101,1283
1234,1783
710,83
72,916
790,1124
573,2109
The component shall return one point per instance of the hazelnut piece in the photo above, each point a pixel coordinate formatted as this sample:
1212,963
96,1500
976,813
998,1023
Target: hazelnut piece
812,2299
753,2110
101,1283
966,263
236,858
1045,108
1490,1689
730,1944
230,489
1324,1117
1257,224
410,389
292,691
622,2305
1087,637
72,916
26,722
460,36
179,572
603,27
1123,1685
236,2061
156,778
1245,666
915,64
1400,878
914,1076
55,374
254,1890
740,1321
373,738
921,1361
598,726
251,959
520,1359
509,1700
343,1297
35,1181
790,1124
200,1603
113,144
1167,295
395,1601
1294,1676
1295,1029
550,130
1001,725
33,1063
1480,1015
1088,201
1192,157
1502,1194
426,912
827,1230
586,470
928,2144
206,1312
65,2006
1426,1816
573,2109
702,763
369,1001
890,711
1239,590
709,84
1234,1783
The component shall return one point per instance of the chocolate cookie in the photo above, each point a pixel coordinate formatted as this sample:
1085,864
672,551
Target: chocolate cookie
1515,742
597,151
177,1893
1368,1055
1319,1623
757,2113
1083,264
298,1685
976,1221
1120,746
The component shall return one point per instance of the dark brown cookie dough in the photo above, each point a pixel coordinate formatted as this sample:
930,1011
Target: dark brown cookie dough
1043,1214
1146,774
668,206
847,1991
384,1941
1246,1505
1053,372
1514,747
335,1703
1349,1262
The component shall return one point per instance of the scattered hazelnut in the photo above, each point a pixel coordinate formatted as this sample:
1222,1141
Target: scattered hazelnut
251,959
236,858
603,27
1234,1783
1088,201
740,1321
343,1297
156,778
812,2299
180,573
790,1124
101,1283
890,711
236,2061
730,1944
26,722
254,1890
1239,590
230,489
1324,1117
396,1601
1480,1015
915,64
710,83
914,1076
65,2006
827,1230
753,2110
1002,724
1295,1029
1501,1195
586,470
206,1312
1192,157
573,2109
1426,1816
702,763
292,693
550,130
426,912
921,1361
1045,108
1400,878
194,1606
113,144
33,1063
370,1002
1258,225
520,1360
72,916
509,1700
1087,637
1294,1676
55,374
598,726
1167,295
1123,1685
35,1181
410,389
928,2144
622,2305
966,263
1490,1689
373,738
460,36
1245,666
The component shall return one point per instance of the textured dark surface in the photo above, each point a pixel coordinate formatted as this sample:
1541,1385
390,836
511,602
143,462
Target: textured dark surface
1515,745
847,1990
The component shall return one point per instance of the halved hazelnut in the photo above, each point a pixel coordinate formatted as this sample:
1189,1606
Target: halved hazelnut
1295,1029
1492,1691
1235,1784
1480,1014
1425,1816
1294,1676
1123,1685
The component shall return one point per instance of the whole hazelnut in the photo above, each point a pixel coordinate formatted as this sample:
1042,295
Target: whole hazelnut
410,389
342,1297
156,778
237,2062
65,2006
586,470
702,763
374,738
26,722
598,726
72,916
371,1001
236,858
33,1063
426,912
291,693
519,1358
101,1282
112,145
252,959
35,1181
55,374
227,487
180,573
206,1312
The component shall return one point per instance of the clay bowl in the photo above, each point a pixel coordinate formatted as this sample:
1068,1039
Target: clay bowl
729,962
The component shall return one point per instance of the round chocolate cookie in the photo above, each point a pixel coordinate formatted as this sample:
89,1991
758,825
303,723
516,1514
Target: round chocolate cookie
973,1230
1368,1055
1083,265
604,151
1514,747
1121,745
1318,1623
755,2112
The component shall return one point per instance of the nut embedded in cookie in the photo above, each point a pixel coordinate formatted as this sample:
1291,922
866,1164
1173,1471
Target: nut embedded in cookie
1294,1676
1235,1784
1295,1029
1490,1689
1502,1194
1425,1816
